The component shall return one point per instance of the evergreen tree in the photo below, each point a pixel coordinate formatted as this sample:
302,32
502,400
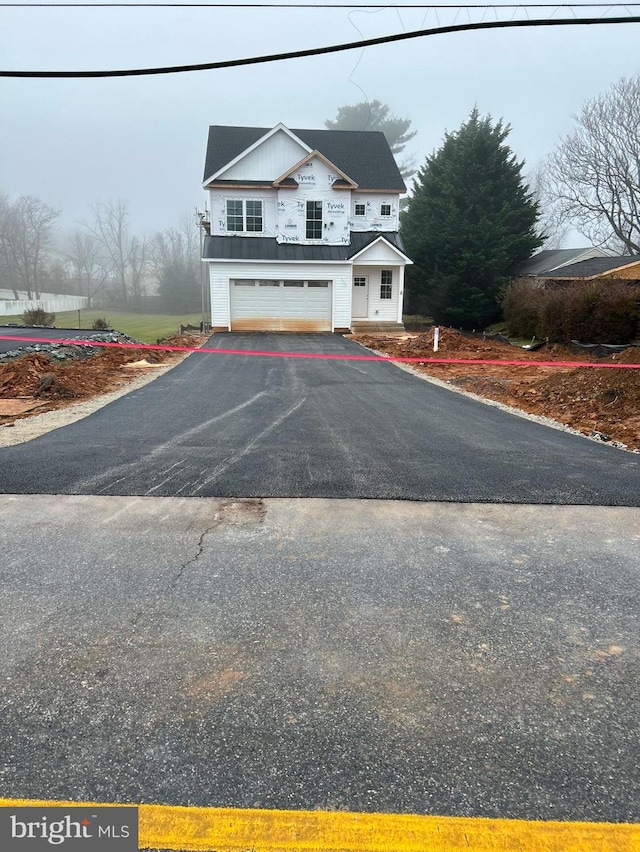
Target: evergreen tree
374,115
470,222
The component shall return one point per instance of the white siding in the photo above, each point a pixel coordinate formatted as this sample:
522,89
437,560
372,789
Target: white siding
219,283
268,161
381,309
372,220
338,273
378,253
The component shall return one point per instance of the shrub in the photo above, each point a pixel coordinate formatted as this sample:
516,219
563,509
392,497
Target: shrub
521,307
600,311
38,316
100,324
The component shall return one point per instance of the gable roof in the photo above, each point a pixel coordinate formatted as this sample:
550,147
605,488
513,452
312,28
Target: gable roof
363,155
549,259
286,177
252,248
595,266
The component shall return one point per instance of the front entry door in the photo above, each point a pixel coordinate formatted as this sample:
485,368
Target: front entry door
360,305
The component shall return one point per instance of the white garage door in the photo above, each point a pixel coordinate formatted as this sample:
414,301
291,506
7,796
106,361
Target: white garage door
280,305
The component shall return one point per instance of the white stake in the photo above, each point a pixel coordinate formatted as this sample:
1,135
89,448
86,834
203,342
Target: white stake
436,338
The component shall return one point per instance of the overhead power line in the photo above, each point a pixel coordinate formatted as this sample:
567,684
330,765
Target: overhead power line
318,6
319,51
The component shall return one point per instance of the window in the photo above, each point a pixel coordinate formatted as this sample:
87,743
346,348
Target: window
235,219
359,210
359,282
314,220
244,216
317,283
385,210
254,215
294,283
386,278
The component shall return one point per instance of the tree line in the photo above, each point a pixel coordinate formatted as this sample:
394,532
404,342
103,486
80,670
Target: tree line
472,218
103,259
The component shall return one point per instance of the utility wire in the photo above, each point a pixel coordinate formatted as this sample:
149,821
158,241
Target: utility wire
319,51
316,6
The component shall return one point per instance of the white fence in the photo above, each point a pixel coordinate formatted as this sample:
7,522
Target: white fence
50,302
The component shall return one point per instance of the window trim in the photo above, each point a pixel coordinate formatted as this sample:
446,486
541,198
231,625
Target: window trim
314,220
386,284
244,215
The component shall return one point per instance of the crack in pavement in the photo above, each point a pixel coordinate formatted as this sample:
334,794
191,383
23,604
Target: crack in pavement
199,551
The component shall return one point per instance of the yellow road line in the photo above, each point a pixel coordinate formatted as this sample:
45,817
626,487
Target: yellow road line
240,830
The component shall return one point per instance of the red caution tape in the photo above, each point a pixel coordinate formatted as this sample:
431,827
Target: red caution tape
324,357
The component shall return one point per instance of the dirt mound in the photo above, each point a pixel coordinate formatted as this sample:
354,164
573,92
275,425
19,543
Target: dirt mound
100,370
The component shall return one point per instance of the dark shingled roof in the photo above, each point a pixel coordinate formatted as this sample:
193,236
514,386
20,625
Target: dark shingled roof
593,266
545,261
363,155
265,248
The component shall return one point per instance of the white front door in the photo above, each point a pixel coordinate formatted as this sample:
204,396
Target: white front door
360,303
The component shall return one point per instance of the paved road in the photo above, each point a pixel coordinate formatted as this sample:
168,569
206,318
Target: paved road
367,655
232,425
51,334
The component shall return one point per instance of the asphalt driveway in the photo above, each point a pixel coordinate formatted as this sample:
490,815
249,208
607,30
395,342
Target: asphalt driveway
239,426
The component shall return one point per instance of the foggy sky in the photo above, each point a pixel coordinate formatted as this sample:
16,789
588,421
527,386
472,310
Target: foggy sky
70,142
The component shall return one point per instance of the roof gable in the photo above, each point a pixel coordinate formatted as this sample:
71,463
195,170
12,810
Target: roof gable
263,159
379,249
288,175
363,155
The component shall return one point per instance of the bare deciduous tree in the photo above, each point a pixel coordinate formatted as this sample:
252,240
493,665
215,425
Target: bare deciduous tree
25,235
126,253
552,226
90,268
594,174
174,256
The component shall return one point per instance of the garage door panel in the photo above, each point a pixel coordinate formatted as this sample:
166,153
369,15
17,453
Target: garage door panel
276,306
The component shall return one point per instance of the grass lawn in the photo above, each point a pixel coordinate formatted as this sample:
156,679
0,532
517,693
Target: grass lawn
145,327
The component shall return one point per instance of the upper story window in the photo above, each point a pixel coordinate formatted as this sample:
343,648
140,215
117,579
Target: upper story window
314,220
385,210
244,215
386,278
359,210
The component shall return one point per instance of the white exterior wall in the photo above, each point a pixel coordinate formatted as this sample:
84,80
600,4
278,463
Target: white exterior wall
383,309
268,161
372,220
220,273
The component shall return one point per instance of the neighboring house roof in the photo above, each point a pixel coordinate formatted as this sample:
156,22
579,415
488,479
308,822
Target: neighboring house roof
549,259
594,267
252,248
363,155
